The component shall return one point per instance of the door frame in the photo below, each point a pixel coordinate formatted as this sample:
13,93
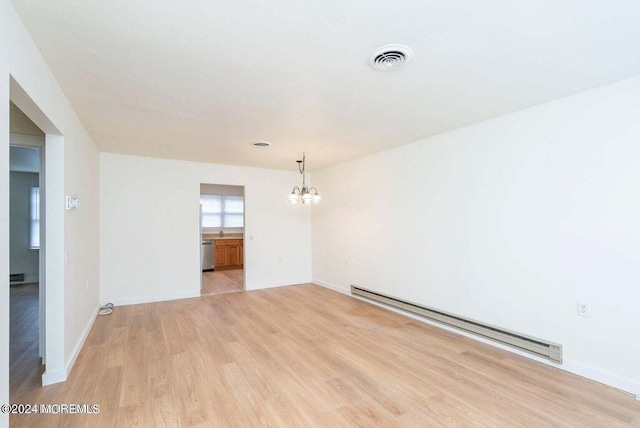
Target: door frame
54,254
244,222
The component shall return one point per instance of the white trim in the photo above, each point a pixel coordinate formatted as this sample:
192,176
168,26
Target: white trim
42,262
602,377
83,338
272,284
156,298
343,290
568,366
55,260
57,376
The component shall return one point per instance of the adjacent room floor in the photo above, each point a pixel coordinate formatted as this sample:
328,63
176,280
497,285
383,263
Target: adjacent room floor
307,356
224,281
25,369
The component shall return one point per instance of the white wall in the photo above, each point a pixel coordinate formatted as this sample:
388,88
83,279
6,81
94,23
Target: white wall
21,124
216,189
149,227
510,222
4,225
22,258
78,284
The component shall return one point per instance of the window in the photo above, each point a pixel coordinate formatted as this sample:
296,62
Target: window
34,230
220,211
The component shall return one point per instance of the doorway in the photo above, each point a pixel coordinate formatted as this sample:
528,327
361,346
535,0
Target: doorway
51,282
26,253
221,239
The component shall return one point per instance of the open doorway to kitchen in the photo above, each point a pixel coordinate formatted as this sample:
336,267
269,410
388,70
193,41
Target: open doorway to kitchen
222,238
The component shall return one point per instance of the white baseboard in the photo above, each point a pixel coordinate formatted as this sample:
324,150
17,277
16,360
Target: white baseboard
196,293
568,366
339,289
154,298
272,284
60,375
57,376
602,377
80,344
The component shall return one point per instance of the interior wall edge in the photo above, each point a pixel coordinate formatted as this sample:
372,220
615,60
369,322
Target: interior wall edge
4,238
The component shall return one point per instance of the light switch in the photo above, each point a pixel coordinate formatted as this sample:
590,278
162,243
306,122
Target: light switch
72,202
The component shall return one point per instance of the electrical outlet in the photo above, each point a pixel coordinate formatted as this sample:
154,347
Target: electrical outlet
584,309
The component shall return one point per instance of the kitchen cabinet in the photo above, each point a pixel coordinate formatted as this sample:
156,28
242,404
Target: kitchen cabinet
229,254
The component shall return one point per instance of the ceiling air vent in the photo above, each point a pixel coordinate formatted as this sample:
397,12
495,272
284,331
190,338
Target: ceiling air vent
390,57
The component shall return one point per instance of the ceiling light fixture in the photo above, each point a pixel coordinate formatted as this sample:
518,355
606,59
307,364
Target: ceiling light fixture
304,194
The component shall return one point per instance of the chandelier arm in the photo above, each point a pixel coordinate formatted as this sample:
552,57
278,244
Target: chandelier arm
304,194
304,184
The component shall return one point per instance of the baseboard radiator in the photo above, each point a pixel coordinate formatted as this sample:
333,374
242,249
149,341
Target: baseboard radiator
16,277
538,347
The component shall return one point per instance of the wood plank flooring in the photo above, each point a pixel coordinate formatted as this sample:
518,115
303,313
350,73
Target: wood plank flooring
25,369
225,281
305,356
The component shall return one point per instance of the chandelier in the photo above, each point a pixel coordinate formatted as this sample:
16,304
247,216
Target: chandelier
304,194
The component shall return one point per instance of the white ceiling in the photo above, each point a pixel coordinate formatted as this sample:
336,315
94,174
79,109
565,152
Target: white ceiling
202,79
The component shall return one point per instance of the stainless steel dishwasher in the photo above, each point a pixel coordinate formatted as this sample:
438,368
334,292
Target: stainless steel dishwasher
208,254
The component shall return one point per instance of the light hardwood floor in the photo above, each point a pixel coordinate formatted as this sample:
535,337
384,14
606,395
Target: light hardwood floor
225,281
306,356
25,369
